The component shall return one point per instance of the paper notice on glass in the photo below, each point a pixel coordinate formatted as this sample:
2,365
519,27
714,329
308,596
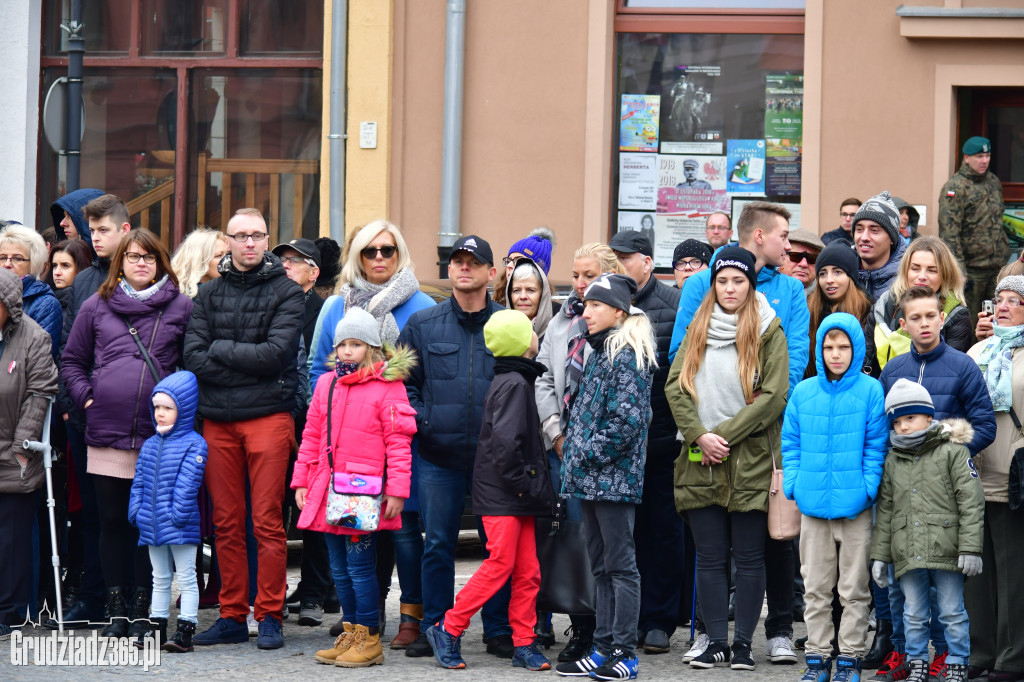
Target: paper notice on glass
635,221
692,183
672,229
638,181
746,167
638,123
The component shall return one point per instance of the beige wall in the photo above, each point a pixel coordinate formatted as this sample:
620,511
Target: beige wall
887,118
524,133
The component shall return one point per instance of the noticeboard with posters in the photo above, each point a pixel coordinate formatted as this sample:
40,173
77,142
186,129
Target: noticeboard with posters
729,128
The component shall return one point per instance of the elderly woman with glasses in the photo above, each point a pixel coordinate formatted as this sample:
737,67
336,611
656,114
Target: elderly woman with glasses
23,252
689,258
130,330
377,275
995,599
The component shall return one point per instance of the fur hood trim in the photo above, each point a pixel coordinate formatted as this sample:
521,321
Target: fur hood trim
959,430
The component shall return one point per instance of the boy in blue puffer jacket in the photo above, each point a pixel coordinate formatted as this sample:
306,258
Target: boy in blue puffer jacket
164,505
833,451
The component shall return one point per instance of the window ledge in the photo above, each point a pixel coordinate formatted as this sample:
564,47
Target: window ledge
961,22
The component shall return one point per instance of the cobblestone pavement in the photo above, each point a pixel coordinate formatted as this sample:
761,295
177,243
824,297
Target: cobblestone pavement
295,660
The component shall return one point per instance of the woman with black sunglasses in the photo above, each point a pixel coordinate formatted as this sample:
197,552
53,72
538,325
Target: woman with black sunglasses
377,275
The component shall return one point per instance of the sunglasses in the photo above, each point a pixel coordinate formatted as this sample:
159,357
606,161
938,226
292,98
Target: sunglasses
370,252
797,256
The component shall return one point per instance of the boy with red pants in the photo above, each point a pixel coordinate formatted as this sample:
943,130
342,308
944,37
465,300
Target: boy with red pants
511,486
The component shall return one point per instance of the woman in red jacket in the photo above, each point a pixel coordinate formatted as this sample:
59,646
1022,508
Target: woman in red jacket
359,422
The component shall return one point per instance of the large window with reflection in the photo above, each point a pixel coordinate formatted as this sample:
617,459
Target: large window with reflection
194,108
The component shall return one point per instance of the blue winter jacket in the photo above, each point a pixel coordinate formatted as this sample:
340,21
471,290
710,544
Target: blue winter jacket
834,434
164,502
73,203
40,303
785,295
956,385
448,385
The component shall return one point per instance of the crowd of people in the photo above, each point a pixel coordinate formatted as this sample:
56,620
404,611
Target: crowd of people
870,376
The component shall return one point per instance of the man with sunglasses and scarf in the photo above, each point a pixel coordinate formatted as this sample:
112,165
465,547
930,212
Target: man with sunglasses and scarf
801,258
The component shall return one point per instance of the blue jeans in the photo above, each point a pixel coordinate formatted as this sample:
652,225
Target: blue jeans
948,597
896,608
184,565
409,558
354,568
442,499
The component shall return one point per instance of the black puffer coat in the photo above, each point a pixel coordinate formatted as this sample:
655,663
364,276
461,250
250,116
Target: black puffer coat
242,341
660,302
510,476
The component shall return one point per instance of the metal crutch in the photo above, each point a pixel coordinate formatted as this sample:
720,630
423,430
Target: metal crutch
43,447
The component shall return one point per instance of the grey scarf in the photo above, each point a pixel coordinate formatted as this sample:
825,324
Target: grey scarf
911,441
380,300
143,294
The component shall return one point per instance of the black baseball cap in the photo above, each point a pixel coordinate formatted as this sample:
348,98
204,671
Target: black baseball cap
477,246
629,241
304,246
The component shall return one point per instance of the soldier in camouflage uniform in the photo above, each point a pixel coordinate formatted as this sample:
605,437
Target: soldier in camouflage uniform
970,222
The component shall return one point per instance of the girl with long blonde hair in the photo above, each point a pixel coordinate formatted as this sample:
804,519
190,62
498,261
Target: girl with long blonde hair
196,259
727,390
927,262
605,450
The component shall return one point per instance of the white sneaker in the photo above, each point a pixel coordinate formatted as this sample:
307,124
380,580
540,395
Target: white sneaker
780,650
700,645
250,621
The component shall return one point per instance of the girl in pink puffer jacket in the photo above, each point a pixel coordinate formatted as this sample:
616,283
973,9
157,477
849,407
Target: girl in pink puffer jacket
359,421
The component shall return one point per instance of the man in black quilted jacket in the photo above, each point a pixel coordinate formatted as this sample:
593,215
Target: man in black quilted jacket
241,344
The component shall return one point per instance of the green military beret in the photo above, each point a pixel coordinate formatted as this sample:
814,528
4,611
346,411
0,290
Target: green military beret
977,145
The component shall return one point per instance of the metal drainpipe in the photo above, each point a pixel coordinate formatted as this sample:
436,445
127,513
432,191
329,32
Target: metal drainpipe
451,148
76,52
339,103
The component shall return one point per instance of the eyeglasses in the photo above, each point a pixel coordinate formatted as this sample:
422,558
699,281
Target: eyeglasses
797,256
295,260
370,252
17,260
848,215
508,260
718,228
692,264
147,258
1009,302
242,237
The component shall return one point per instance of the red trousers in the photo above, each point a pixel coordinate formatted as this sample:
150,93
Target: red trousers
513,547
257,448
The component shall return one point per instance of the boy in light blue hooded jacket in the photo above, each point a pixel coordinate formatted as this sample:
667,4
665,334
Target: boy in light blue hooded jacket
834,438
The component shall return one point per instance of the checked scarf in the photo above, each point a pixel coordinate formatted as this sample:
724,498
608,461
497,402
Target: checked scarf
576,343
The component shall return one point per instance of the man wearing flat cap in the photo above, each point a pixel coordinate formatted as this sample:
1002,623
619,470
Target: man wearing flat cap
805,247
971,221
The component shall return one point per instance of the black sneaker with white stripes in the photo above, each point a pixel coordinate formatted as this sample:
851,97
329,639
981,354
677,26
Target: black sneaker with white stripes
618,666
582,667
741,658
716,654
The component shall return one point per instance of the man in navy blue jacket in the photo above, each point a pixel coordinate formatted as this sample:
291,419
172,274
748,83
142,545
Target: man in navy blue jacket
447,389
958,389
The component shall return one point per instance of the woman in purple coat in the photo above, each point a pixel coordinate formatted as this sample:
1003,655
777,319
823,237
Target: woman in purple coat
107,374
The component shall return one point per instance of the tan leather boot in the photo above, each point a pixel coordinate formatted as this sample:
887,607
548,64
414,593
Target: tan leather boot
363,651
341,645
409,628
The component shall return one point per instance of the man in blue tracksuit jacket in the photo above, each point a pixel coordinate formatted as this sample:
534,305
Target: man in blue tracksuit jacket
763,229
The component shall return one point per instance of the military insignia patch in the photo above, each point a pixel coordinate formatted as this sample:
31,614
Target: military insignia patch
950,193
